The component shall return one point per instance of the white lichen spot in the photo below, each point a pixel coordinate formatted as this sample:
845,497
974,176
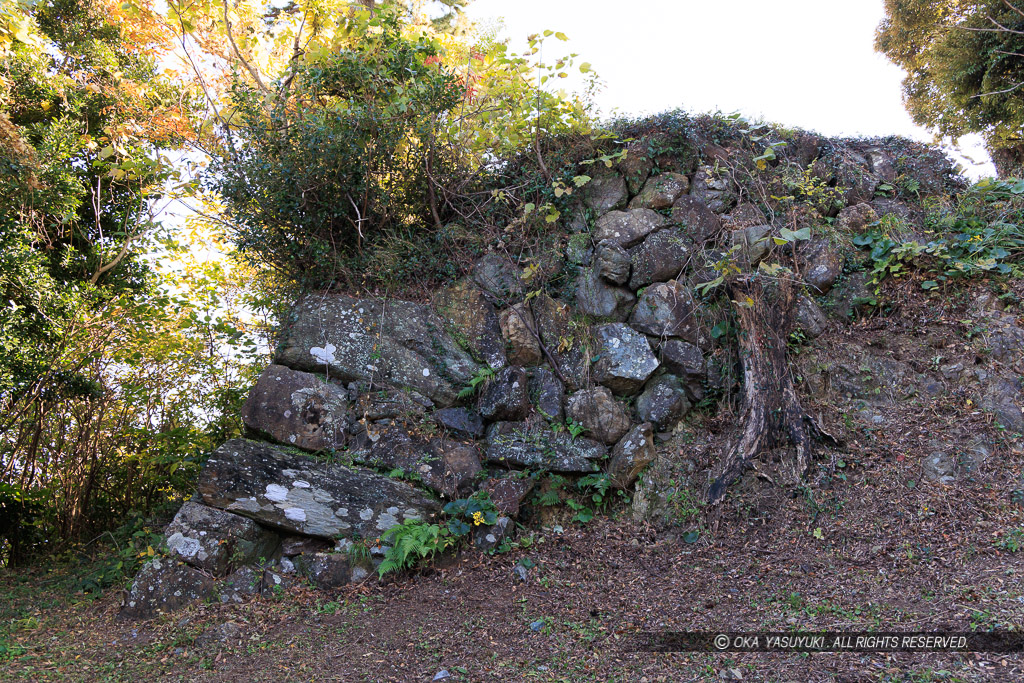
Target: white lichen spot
287,413
276,493
183,545
491,538
291,439
341,512
426,372
358,574
324,354
515,385
366,515
392,510
295,514
300,484
386,520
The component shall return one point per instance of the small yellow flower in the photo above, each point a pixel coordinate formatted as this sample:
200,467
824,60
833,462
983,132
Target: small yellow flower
478,518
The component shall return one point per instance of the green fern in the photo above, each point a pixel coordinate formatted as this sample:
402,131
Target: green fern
411,541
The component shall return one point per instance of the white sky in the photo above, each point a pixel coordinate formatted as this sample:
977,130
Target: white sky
806,63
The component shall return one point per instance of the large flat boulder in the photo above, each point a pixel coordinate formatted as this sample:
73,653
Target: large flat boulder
534,446
386,342
217,541
298,494
299,409
627,228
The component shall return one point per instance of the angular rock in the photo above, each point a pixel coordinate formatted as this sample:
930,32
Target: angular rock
388,404
488,538
217,541
856,218
683,359
249,582
598,299
498,278
821,266
579,251
335,570
508,493
667,310
852,297
631,455
517,327
696,218
299,409
468,312
754,243
1002,399
661,191
300,495
164,585
612,262
505,397
303,545
939,466
627,228
625,359
566,345
391,343
636,165
662,402
712,189
810,318
744,215
605,193
660,257
547,393
603,417
518,444
444,466
461,421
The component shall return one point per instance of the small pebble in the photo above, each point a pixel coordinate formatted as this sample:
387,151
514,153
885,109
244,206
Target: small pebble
537,625
441,675
519,571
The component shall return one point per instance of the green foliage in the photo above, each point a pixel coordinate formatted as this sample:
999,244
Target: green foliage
1011,542
963,62
483,375
465,513
412,541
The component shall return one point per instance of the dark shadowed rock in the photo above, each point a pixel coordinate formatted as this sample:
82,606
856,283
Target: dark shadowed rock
696,218
685,361
660,257
810,318
547,393
303,545
851,297
821,266
662,402
519,444
518,327
714,190
299,409
334,570
753,242
625,359
611,262
627,228
472,318
390,342
661,191
445,466
605,193
386,404
1002,398
598,299
164,585
666,309
217,541
508,493
297,494
498,278
604,418
487,538
565,344
505,396
744,215
631,455
636,165
461,421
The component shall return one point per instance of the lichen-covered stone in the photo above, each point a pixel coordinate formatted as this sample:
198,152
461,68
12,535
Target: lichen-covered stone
298,409
297,494
809,317
627,228
445,466
612,262
821,266
547,393
625,360
660,257
389,342
487,538
856,218
508,493
564,343
335,570
753,242
714,190
217,541
696,218
605,193
631,455
603,417
744,215
498,278
472,320
519,444
667,309
517,328
600,300
387,404
686,361
164,585
505,396
661,191
662,402
460,421
637,164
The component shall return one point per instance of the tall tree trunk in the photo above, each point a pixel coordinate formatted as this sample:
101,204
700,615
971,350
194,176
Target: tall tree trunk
772,414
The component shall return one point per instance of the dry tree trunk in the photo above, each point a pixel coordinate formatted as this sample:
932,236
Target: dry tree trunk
772,414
